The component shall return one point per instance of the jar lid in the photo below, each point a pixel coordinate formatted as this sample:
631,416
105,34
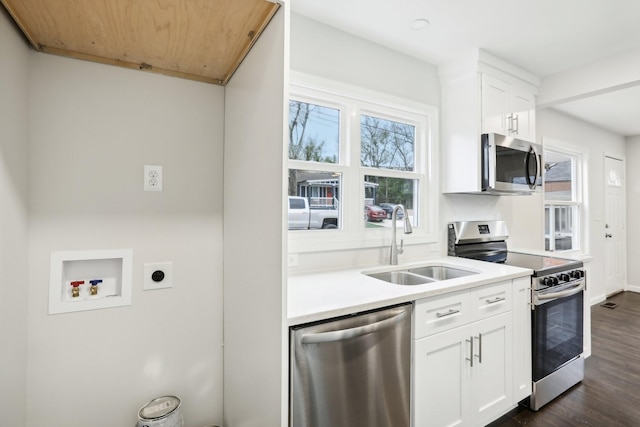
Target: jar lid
159,408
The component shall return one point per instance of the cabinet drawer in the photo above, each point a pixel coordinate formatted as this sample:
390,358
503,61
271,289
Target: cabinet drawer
487,301
437,314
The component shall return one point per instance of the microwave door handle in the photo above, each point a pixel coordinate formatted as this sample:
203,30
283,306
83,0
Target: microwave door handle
532,152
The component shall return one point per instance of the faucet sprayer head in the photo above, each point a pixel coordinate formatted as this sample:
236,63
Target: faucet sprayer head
407,224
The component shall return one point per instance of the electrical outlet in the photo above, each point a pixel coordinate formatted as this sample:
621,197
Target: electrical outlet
152,178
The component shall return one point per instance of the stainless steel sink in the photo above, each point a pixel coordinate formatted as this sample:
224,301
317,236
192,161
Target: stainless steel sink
440,272
401,278
421,275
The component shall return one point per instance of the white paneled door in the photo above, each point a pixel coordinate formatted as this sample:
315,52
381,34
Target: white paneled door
615,208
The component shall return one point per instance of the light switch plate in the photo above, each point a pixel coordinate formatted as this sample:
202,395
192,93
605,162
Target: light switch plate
149,284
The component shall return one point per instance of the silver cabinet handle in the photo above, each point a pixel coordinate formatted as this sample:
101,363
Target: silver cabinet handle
495,300
345,334
470,358
479,355
448,313
514,118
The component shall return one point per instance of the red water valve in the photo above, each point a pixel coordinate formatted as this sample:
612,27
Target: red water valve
75,292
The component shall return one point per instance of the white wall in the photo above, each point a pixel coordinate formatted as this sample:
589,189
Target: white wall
327,52
14,89
597,142
93,127
633,207
522,214
255,343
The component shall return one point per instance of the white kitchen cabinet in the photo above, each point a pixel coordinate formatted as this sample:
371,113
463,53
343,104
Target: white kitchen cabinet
481,94
464,375
507,108
522,338
492,370
441,385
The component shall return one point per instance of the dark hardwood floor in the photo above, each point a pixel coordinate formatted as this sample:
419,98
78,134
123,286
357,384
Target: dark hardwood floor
609,395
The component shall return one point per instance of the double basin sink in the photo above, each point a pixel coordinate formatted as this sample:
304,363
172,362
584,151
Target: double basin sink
421,275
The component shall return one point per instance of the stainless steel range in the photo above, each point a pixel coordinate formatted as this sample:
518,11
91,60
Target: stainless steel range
557,305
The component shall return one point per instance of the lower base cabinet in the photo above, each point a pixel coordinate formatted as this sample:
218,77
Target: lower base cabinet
464,375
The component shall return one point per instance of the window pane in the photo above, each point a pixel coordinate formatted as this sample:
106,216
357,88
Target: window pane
314,200
386,144
559,176
314,132
385,193
559,220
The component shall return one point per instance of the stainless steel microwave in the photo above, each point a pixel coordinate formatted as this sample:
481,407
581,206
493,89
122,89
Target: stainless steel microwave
510,165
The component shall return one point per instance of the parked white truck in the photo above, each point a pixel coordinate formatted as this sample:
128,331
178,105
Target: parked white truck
302,217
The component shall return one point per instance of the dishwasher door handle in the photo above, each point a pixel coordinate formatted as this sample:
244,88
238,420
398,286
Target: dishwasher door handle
345,334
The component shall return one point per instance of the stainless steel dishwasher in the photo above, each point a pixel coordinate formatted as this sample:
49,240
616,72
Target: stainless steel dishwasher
352,371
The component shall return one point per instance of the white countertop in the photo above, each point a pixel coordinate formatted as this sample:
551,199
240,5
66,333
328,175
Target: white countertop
323,295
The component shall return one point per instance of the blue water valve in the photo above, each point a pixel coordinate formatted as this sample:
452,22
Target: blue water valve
94,286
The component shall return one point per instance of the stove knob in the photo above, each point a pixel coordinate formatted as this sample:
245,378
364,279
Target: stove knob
564,277
554,281
576,274
547,281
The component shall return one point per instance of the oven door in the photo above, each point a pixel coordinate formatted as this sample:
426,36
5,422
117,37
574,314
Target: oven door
557,332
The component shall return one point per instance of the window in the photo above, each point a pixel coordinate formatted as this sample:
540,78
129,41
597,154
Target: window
354,159
562,197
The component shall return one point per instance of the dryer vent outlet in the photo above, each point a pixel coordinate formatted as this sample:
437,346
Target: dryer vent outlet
158,275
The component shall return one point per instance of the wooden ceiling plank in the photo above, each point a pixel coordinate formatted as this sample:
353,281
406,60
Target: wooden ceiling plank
21,23
233,66
129,65
203,38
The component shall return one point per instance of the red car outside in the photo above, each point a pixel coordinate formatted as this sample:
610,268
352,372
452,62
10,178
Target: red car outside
375,213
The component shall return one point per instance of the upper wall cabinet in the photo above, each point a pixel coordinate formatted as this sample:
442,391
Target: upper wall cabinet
481,94
507,108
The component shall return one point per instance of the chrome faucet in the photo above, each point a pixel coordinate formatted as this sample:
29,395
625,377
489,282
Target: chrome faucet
407,230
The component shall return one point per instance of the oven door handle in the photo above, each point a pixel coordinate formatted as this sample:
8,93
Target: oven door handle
562,294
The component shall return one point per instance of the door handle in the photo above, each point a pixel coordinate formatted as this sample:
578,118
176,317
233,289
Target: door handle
345,334
608,235
479,355
448,313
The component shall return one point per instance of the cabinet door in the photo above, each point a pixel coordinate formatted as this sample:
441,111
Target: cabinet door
523,110
494,105
521,338
492,369
441,379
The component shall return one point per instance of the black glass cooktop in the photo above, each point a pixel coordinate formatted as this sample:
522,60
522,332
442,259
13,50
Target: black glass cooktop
541,265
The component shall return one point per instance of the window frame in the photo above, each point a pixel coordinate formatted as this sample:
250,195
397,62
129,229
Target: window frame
578,197
352,102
